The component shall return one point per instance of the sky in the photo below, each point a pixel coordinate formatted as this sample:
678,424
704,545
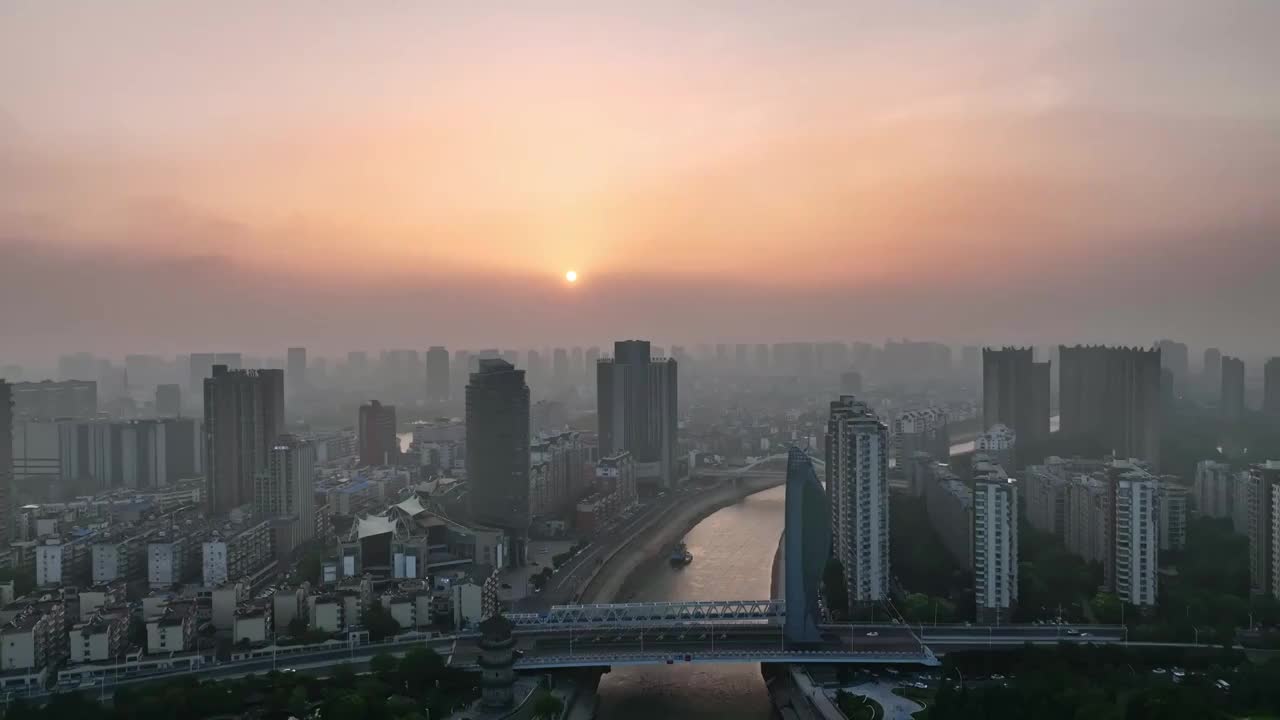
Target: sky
183,176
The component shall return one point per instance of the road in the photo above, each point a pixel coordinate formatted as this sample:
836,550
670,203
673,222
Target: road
564,585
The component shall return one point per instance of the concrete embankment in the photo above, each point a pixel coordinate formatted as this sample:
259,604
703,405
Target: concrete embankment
653,542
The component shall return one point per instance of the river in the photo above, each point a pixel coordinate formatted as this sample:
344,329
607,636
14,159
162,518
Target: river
733,554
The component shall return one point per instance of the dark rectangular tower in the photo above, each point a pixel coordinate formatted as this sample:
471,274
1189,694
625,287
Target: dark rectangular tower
498,446
377,433
1112,396
636,399
243,416
1015,392
437,374
1232,398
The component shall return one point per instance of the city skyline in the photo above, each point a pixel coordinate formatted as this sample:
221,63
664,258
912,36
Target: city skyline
888,156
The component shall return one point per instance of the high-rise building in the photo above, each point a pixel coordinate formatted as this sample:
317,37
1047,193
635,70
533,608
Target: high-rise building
168,400
1015,393
998,443
498,447
995,543
971,362
807,546
1214,489
1173,514
558,465
233,360
1231,404
402,372
243,417
857,455
358,365
438,374
201,365
1112,395
1271,387
762,358
459,373
296,370
921,430
49,400
577,370
285,490
1211,373
636,400
377,431
1260,500
1130,568
6,463
850,382
559,367
1174,356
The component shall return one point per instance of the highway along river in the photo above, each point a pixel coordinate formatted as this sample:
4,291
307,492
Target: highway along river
732,558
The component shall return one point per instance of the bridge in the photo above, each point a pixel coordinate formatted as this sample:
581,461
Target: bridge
791,629
749,632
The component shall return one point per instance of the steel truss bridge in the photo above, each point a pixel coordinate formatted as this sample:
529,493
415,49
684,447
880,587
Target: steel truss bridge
655,614
749,631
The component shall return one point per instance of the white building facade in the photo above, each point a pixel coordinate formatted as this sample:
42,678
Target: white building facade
857,465
995,546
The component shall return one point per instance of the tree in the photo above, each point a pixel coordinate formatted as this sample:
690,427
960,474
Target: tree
298,702
421,667
347,706
1106,607
380,623
309,565
547,706
343,676
833,587
297,627
385,667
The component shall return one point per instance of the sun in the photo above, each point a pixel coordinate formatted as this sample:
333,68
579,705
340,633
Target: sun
571,276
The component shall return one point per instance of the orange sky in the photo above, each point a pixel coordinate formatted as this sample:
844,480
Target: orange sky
733,146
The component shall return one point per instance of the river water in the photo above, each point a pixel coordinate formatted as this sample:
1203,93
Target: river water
732,559
733,553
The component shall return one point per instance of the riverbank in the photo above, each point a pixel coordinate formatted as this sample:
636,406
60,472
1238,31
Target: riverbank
610,583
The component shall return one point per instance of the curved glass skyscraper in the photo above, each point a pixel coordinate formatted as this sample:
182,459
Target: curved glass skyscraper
807,546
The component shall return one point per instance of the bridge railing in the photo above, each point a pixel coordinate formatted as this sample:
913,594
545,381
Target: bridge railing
703,611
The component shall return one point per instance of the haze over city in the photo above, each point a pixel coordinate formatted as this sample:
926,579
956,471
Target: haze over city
389,175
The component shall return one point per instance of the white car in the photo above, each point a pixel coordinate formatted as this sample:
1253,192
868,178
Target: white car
873,633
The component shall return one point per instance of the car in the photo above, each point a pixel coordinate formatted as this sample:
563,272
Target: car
506,586
1159,671
997,676
533,562
873,633
1072,631
1085,634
